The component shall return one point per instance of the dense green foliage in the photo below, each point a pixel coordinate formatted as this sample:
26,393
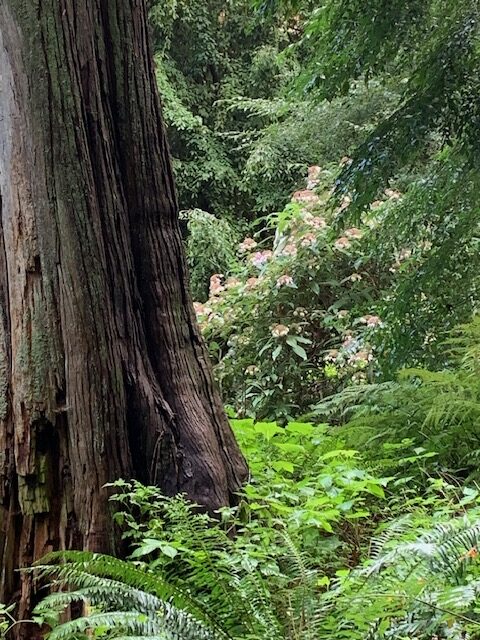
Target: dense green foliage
325,546
325,542
391,86
241,140
295,318
431,47
211,248
208,52
438,410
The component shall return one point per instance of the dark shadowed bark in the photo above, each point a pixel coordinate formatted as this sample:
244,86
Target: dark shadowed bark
102,370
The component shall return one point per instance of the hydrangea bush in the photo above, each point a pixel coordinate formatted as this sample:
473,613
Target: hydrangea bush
295,320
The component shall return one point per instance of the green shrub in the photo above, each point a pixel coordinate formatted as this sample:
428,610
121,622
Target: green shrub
206,52
289,134
295,560
189,577
296,319
436,410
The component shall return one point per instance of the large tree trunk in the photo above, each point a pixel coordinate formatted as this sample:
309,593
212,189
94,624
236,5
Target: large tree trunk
102,370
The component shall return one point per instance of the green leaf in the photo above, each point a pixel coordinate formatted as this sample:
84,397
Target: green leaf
302,428
303,340
289,447
296,348
276,352
149,545
375,490
356,515
324,581
267,429
283,465
339,453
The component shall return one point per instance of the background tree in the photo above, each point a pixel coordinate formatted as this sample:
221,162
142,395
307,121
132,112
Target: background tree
103,372
208,52
424,144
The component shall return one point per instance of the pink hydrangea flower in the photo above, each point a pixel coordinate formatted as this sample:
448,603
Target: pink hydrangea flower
393,194
279,330
371,321
260,258
216,286
251,283
284,281
318,222
232,282
353,233
289,250
306,197
247,245
313,176
361,356
349,342
342,243
331,355
346,202
199,308
308,240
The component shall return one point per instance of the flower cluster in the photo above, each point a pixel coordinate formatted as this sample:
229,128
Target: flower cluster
284,280
216,285
274,328
248,244
279,330
260,258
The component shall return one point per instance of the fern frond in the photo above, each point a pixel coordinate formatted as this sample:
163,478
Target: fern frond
73,566
445,549
112,583
123,621
262,621
393,530
109,593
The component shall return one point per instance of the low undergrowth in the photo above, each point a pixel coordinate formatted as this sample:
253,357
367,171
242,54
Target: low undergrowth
325,542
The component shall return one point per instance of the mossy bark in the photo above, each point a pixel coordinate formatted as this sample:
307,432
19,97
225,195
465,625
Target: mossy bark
103,373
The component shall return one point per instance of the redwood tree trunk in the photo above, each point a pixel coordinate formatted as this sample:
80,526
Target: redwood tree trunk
103,373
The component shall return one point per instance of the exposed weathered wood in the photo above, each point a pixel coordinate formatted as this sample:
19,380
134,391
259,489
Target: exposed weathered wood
103,373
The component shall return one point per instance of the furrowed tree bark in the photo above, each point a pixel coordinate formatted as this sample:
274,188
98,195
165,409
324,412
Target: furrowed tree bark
103,373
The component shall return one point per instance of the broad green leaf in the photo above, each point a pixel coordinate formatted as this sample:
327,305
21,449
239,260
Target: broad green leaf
296,348
267,429
149,545
289,447
302,428
283,465
375,490
276,352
